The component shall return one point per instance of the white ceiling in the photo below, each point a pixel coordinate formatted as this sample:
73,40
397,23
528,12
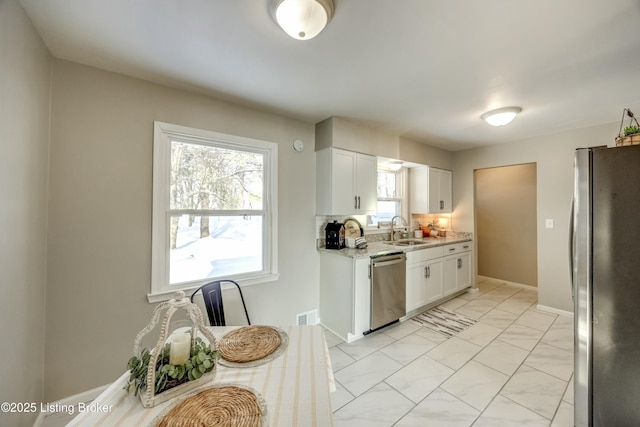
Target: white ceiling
424,69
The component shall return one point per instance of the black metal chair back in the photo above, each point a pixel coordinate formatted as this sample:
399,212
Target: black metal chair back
212,295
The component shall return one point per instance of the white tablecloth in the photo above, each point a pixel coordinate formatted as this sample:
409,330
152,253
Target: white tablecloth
296,387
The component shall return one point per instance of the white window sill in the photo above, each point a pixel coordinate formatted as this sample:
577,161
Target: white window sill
166,295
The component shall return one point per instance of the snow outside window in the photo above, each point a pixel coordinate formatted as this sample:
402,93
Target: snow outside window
214,209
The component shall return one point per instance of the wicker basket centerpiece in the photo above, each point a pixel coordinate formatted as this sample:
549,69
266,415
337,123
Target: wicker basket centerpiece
183,358
631,134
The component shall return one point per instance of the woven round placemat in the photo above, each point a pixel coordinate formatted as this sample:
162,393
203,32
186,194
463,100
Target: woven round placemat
224,405
251,343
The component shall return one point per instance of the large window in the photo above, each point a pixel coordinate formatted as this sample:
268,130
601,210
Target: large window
214,209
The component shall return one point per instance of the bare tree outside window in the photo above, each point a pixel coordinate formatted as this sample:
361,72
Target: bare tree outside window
217,190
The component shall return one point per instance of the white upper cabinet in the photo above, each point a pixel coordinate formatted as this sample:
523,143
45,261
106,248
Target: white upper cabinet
430,190
346,182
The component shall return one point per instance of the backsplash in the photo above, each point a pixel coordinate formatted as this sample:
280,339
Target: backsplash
443,220
382,234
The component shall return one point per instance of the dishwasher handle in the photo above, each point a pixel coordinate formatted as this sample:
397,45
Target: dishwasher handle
388,261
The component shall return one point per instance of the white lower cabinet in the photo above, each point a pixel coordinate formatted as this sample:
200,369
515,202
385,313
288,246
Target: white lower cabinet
435,273
345,295
433,281
345,286
424,277
457,267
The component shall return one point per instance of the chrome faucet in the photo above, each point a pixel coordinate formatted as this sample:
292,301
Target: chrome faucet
393,221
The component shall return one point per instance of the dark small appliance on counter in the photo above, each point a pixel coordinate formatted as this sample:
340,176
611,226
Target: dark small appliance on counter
334,235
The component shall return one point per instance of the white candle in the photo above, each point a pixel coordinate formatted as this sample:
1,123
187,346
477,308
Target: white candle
180,349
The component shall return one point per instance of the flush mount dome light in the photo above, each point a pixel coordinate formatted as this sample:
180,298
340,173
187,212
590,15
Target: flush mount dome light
501,116
395,165
302,19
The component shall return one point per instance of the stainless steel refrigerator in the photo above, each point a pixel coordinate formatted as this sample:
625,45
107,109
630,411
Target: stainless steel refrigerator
605,256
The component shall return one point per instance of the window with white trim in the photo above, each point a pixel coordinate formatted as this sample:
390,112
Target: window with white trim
391,189
214,209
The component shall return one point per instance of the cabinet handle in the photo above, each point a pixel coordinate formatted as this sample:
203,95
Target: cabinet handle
459,262
441,204
427,272
358,202
355,202
452,249
466,246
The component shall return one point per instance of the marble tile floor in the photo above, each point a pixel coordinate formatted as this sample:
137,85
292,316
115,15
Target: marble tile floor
513,367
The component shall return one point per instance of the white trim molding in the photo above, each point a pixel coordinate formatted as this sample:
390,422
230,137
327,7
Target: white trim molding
164,135
554,310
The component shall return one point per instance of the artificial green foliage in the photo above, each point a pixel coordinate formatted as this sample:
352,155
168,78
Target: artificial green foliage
631,130
203,360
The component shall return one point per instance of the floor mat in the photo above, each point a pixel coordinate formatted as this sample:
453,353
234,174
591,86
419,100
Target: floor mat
443,321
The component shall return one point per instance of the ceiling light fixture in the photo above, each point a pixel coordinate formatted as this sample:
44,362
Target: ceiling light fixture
302,19
501,116
395,165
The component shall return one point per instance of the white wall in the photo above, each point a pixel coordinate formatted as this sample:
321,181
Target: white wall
349,135
100,217
553,155
353,136
415,152
25,70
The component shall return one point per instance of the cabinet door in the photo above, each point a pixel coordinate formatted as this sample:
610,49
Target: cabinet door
463,278
450,274
444,184
416,289
343,182
419,189
433,280
439,191
434,191
366,184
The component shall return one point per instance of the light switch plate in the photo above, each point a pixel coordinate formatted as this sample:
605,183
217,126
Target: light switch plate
548,223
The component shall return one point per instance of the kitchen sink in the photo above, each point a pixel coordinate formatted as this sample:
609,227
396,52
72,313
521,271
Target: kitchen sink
409,242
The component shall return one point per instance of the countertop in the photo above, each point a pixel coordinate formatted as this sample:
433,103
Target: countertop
385,247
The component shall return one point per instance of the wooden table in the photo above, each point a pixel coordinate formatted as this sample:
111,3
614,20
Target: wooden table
296,387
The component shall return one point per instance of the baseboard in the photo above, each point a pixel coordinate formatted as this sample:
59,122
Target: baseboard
506,282
85,396
342,337
554,310
534,288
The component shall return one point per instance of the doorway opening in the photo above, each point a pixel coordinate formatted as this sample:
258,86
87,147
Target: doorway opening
506,223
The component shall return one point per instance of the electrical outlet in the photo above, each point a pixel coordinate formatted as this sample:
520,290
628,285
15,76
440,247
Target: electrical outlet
548,223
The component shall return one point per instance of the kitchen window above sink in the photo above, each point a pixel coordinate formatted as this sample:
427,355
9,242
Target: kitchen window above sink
390,191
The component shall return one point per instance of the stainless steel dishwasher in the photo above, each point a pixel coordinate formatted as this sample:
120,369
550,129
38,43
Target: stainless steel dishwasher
388,289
